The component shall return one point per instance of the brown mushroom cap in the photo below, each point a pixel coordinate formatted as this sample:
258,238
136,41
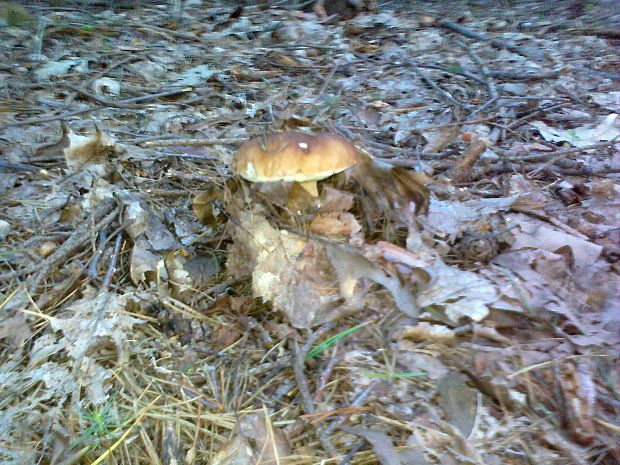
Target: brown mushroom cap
294,156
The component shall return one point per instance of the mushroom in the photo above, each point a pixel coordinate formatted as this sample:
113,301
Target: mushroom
294,156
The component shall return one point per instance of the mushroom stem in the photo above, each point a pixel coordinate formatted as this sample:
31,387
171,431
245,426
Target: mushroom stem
310,187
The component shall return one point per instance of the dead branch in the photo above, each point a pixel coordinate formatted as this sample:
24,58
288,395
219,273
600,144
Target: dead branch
119,104
447,24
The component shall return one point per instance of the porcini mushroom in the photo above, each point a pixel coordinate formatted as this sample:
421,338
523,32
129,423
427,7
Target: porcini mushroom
294,156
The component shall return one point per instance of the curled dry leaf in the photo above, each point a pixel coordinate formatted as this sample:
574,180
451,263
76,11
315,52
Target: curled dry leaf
107,86
393,189
427,332
5,229
179,278
461,170
205,209
417,268
46,248
334,200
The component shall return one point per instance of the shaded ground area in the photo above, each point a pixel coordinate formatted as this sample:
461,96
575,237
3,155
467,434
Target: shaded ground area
453,301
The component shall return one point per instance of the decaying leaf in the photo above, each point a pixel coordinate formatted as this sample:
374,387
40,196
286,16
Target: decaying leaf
14,330
416,360
202,268
88,319
87,324
298,276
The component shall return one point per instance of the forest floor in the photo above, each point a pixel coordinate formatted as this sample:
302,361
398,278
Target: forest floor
461,307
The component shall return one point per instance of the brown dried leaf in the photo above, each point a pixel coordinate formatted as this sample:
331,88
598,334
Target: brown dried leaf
204,209
223,336
335,224
334,200
90,152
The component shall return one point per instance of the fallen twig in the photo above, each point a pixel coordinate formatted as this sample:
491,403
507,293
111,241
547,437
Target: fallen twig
442,93
103,215
47,119
112,267
483,70
533,157
485,38
92,268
